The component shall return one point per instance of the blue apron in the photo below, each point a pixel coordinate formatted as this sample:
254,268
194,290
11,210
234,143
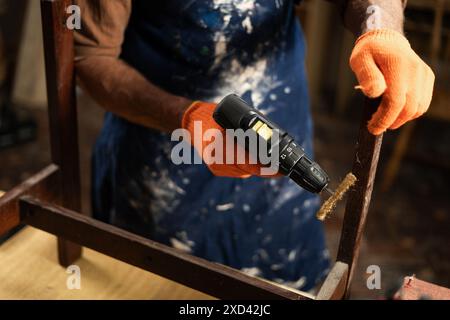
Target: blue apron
204,50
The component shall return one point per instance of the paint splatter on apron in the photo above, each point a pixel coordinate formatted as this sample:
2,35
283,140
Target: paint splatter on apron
205,50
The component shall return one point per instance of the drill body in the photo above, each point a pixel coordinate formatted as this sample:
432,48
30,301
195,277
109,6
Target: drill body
234,113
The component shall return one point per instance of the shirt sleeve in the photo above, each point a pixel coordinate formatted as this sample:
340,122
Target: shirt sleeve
342,4
353,12
103,24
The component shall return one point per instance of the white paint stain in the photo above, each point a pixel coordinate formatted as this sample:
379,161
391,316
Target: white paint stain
254,272
247,25
307,203
177,244
238,78
240,7
183,236
278,3
287,194
157,185
247,79
293,284
263,254
225,207
276,267
292,255
220,49
245,6
266,111
267,239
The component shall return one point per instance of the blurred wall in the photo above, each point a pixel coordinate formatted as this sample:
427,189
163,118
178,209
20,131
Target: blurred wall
29,85
329,46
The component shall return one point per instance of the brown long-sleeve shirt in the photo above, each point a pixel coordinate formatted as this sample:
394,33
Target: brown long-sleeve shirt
121,89
105,21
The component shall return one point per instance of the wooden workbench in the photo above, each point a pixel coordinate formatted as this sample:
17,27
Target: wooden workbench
29,269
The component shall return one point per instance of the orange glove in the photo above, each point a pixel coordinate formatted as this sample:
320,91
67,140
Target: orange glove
385,64
203,111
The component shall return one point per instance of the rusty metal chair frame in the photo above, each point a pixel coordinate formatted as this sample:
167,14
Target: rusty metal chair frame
50,200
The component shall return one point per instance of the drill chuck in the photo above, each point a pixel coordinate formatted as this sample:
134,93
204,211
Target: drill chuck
234,113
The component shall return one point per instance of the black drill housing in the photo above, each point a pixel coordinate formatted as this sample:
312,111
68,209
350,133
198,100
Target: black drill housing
234,113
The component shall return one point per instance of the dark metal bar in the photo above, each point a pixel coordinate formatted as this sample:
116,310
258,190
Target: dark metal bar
59,64
211,278
364,168
40,185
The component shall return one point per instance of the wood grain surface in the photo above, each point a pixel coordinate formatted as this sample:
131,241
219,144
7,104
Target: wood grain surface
212,278
29,270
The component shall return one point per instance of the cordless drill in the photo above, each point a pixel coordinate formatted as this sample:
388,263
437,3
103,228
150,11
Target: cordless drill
234,113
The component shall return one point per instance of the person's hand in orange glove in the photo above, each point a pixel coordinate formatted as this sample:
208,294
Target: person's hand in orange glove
203,111
385,65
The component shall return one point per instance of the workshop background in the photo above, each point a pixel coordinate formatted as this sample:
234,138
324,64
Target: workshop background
408,225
